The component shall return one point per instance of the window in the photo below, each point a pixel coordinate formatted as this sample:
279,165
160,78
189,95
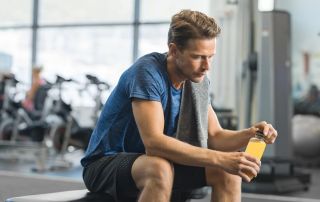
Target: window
153,38
152,10
74,52
17,43
15,37
84,11
76,37
15,12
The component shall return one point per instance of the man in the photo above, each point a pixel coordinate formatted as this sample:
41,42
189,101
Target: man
133,150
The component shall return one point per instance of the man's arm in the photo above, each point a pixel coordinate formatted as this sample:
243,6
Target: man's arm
228,140
150,121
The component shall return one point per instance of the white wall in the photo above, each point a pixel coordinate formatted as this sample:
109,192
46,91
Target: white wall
232,49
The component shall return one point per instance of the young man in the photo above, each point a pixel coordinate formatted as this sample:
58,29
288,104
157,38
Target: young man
133,150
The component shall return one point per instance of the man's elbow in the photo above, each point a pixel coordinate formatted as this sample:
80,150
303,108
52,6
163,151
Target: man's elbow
213,137
151,146
151,151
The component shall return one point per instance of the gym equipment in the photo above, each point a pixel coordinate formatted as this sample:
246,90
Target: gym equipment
278,173
67,131
9,107
22,132
306,138
48,130
13,113
100,87
274,80
306,128
64,131
226,118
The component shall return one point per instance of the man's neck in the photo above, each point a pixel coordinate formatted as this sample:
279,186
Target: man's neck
176,79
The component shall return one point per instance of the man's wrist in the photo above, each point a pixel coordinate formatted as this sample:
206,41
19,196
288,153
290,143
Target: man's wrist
249,132
214,157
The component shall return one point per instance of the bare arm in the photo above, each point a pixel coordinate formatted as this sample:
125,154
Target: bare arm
226,140
150,121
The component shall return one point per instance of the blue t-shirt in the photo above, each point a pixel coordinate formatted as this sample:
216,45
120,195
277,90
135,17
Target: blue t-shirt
116,130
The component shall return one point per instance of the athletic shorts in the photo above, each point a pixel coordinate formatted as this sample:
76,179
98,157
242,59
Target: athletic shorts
112,175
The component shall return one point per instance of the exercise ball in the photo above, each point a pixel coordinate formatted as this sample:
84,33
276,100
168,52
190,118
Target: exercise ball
306,135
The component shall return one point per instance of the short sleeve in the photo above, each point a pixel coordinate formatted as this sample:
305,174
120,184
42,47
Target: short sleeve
146,83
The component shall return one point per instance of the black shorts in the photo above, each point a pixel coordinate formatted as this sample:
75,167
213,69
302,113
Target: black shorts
112,175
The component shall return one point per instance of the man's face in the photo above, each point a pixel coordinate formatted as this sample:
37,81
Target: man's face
194,61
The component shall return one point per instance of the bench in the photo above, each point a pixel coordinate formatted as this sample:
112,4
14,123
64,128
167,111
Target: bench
84,195
65,196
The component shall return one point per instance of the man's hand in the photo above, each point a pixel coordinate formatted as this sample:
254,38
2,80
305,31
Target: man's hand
241,164
270,134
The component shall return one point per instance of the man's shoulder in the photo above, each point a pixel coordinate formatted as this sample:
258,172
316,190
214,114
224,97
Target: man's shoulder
150,68
155,58
153,64
154,55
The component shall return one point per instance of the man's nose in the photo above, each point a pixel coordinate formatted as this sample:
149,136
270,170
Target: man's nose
206,63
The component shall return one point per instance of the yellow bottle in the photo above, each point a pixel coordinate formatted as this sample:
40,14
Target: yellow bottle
256,147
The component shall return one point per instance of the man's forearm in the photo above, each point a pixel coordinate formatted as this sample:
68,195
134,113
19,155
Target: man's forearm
181,152
228,140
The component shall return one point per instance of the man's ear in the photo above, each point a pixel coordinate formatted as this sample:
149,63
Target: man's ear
172,49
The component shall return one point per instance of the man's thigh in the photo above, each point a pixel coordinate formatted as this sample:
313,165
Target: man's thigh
184,177
112,175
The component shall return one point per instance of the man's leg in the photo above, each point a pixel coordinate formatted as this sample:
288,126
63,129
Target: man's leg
154,178
225,186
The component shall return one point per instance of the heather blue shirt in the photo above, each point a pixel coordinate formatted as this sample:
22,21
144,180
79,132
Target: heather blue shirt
116,130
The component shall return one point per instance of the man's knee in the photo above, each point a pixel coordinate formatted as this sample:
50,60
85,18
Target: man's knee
157,171
219,177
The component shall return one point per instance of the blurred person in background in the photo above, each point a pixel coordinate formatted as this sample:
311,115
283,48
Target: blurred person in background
37,82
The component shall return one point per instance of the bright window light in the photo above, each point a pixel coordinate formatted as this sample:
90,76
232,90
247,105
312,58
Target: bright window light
266,5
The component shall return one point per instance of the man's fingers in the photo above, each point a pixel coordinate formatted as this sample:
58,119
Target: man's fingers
245,177
266,129
252,159
250,163
272,135
247,173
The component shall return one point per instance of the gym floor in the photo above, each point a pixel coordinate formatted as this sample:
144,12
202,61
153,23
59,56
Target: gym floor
11,185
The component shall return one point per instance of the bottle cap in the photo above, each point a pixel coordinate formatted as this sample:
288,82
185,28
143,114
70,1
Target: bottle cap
259,134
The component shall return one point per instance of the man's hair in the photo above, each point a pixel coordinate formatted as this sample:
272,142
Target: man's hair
188,24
